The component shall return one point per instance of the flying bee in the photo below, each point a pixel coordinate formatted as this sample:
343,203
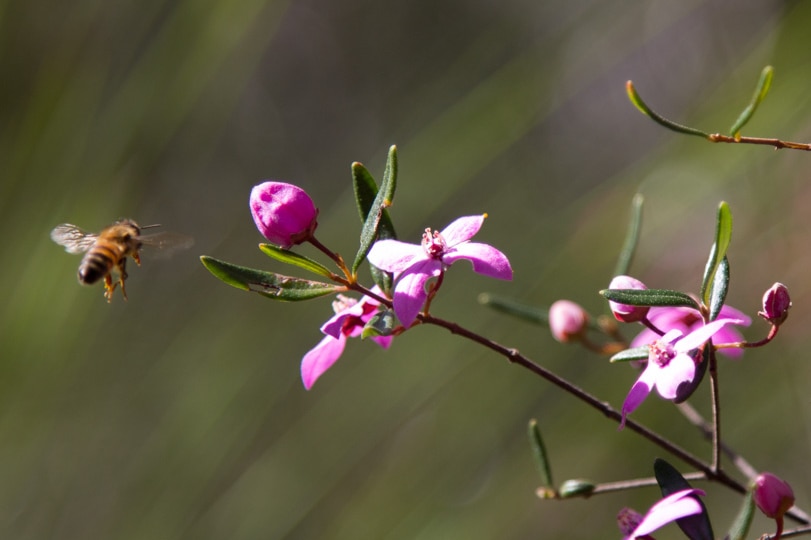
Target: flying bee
109,249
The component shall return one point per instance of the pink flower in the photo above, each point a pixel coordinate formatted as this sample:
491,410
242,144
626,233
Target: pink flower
673,507
348,322
567,320
416,264
687,320
623,312
671,364
774,497
283,213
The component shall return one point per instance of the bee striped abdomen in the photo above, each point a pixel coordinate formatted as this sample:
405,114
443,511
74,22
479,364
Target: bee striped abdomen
98,262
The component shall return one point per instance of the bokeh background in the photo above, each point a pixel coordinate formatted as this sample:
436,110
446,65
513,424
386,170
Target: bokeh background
180,414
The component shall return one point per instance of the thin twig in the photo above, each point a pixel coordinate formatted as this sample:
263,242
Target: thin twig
776,143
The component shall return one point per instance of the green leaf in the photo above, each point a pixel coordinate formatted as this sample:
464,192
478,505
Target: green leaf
740,525
381,324
720,286
649,297
289,257
696,527
762,88
723,236
365,189
636,353
534,314
659,119
269,284
631,237
375,220
539,453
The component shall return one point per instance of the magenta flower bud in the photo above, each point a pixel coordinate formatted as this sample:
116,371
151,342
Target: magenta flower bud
283,213
567,321
624,312
776,303
774,497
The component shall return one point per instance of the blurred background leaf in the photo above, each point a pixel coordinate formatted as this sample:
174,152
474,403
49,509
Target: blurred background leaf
160,418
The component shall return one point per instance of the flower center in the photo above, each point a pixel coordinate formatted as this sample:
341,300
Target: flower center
661,352
433,243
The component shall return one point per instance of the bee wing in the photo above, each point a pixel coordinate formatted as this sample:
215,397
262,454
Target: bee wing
72,238
167,242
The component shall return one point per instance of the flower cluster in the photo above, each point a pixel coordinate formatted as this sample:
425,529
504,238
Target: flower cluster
679,335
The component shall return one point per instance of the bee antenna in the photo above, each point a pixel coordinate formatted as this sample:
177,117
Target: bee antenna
150,226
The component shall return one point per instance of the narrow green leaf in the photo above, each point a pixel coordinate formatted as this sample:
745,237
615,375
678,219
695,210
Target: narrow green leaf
762,88
539,453
289,257
631,237
365,192
375,214
740,525
696,527
668,477
534,314
365,189
636,353
649,297
720,286
268,284
723,236
659,119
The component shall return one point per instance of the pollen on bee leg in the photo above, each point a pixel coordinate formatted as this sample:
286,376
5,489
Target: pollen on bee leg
108,288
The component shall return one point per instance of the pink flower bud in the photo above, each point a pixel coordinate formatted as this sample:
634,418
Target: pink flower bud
567,320
283,213
772,495
624,312
776,303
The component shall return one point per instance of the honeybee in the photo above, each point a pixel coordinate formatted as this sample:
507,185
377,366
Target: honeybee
109,249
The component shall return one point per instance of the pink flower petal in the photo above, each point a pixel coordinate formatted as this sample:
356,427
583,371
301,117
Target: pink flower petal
728,312
334,326
681,369
395,256
486,259
676,506
409,293
320,358
639,391
698,337
462,230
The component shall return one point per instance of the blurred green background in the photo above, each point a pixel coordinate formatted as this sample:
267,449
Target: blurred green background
180,414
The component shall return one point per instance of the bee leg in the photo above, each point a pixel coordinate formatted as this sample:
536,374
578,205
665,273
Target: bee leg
122,276
136,257
108,288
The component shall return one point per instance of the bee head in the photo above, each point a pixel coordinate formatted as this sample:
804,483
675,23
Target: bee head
127,230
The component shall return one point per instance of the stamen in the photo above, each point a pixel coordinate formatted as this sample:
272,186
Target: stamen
433,243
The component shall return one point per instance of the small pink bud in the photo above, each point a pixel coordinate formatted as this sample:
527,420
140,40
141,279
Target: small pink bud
567,320
772,495
283,213
624,312
628,520
776,303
